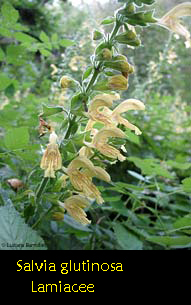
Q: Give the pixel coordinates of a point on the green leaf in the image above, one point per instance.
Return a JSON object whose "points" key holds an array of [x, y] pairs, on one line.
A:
{"points": [[15, 234], [132, 137], [66, 42], [126, 239], [108, 20], [5, 32], [5, 81], [183, 222], [55, 40], [183, 166], [9, 12], [44, 37], [24, 37], [172, 242], [45, 52], [54, 37], [150, 167], [16, 54], [186, 185], [87, 73], [17, 138], [9, 91], [47, 110], [77, 103]]}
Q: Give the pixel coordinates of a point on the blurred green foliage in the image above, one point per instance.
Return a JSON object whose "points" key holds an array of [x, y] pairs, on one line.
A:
{"points": [[148, 203]]}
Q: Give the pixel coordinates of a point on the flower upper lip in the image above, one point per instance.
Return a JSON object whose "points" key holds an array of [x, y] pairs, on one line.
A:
{"points": [[171, 19]]}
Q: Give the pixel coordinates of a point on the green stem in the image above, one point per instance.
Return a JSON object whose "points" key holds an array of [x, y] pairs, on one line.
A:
{"points": [[42, 216], [115, 30], [69, 127], [41, 188], [94, 77]]}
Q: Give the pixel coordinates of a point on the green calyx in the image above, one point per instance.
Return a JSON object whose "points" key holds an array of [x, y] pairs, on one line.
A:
{"points": [[129, 38]]}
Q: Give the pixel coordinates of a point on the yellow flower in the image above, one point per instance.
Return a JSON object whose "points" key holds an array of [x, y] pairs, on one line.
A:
{"points": [[85, 152], [99, 112], [99, 142], [77, 62], [130, 104], [98, 109], [54, 69], [80, 171], [74, 205], [51, 160], [171, 19]]}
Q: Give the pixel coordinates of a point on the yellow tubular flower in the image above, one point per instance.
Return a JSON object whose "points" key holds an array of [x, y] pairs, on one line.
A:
{"points": [[85, 152], [101, 101], [100, 173], [130, 104], [51, 160], [171, 19], [74, 205], [80, 171], [100, 142]]}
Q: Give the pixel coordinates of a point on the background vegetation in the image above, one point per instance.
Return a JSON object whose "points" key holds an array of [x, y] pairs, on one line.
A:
{"points": [[148, 204]]}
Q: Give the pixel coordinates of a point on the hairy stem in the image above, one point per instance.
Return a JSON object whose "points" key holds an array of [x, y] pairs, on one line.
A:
{"points": [[94, 77], [41, 188]]}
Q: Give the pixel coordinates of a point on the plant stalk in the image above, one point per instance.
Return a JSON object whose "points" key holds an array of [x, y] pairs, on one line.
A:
{"points": [[41, 188]]}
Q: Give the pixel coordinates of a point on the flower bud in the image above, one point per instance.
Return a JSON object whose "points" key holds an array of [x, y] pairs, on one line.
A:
{"points": [[129, 38], [118, 82], [131, 69], [120, 57], [105, 54], [97, 35], [100, 47], [130, 8], [58, 216], [119, 65], [135, 43], [67, 82], [126, 37]]}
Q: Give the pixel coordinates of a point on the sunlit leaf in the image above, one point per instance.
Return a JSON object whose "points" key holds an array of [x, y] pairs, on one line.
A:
{"points": [[17, 138], [186, 185], [9, 12], [48, 110], [5, 81], [66, 42]]}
